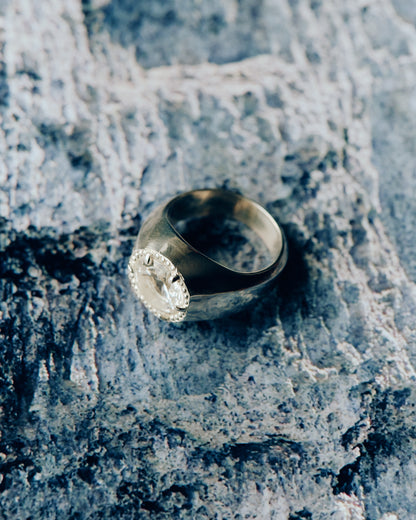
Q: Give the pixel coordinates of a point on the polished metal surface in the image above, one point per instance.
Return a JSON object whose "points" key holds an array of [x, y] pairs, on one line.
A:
{"points": [[215, 289]]}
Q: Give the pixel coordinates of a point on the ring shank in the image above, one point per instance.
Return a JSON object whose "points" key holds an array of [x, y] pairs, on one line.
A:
{"points": [[220, 203]]}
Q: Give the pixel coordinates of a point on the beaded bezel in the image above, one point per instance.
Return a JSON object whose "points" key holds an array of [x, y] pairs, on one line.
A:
{"points": [[137, 264]]}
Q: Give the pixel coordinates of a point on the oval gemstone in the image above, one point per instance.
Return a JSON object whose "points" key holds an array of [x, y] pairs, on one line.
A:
{"points": [[159, 285]]}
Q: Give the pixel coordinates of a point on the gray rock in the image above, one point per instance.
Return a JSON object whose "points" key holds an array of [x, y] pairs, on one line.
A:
{"points": [[301, 408]]}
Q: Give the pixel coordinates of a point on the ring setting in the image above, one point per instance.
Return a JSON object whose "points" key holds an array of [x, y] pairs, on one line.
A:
{"points": [[158, 284], [178, 279]]}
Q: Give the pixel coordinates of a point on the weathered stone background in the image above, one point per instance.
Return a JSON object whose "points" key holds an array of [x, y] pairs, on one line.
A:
{"points": [[303, 408]]}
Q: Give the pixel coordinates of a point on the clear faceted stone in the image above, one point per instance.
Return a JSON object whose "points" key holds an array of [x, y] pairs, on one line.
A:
{"points": [[159, 285]]}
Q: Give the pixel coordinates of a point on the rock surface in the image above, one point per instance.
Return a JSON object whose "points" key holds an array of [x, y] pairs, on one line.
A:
{"points": [[302, 408]]}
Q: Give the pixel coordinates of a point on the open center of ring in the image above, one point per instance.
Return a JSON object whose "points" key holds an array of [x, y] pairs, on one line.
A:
{"points": [[159, 285]]}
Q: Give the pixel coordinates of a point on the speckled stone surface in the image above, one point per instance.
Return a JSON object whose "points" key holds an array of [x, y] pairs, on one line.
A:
{"points": [[303, 407]]}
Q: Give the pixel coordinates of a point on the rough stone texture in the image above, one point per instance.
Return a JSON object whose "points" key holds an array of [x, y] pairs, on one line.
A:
{"points": [[302, 408]]}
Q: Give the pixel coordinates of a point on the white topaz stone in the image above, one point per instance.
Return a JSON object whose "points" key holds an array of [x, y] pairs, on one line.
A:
{"points": [[159, 285]]}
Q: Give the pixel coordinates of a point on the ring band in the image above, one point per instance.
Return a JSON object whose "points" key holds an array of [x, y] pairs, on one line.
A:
{"points": [[177, 281]]}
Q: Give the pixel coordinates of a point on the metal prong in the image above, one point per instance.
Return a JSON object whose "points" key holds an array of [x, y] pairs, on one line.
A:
{"points": [[175, 278], [148, 260]]}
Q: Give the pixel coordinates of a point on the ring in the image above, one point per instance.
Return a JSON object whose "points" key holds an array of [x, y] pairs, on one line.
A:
{"points": [[177, 277]]}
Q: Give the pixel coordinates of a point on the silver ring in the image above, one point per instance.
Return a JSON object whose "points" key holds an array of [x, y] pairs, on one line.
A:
{"points": [[177, 280]]}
